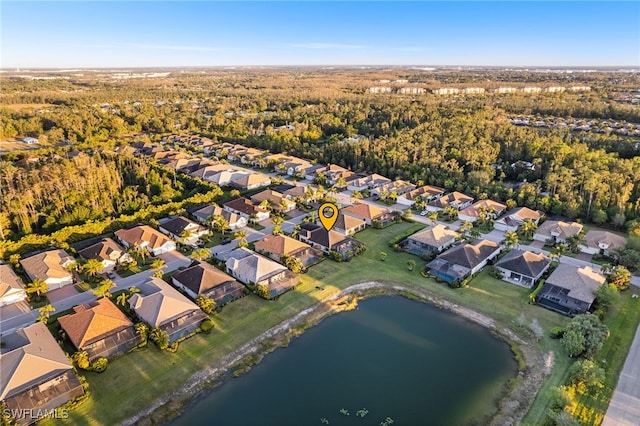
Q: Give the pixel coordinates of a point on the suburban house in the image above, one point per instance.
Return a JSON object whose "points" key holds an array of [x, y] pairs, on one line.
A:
{"points": [[182, 229], [252, 269], [427, 193], [49, 266], [107, 252], [36, 374], [246, 209], [557, 231], [523, 268], [100, 329], [204, 215], [433, 239], [295, 166], [297, 192], [249, 155], [515, 218], [311, 172], [162, 306], [454, 199], [226, 177], [326, 241], [570, 290], [202, 278], [491, 208], [276, 246], [146, 237], [11, 287], [207, 172], [368, 182], [335, 172], [349, 225], [250, 181], [602, 242], [191, 165], [459, 262], [276, 200], [369, 213], [399, 187]]}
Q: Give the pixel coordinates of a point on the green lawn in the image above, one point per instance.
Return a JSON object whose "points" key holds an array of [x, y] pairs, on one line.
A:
{"points": [[134, 381]]}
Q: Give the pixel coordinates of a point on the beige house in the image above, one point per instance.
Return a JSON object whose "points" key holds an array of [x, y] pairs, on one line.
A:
{"points": [[433, 239], [49, 266], [11, 287], [107, 252], [557, 231], [37, 377], [426, 192], [252, 269], [146, 237], [602, 242], [491, 208], [454, 199], [512, 220]]}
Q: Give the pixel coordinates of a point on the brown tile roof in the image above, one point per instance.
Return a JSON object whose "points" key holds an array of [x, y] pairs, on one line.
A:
{"points": [[581, 282], [93, 321], [563, 229], [423, 191], [470, 255], [474, 209], [158, 303], [250, 179], [280, 245], [347, 222], [245, 206], [9, 280], [453, 197], [524, 262], [435, 236], [206, 212], [31, 356], [142, 233], [48, 264], [201, 277], [106, 249], [364, 210], [612, 241]]}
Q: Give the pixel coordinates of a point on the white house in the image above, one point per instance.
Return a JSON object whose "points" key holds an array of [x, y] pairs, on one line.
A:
{"points": [[146, 237], [49, 266], [11, 288]]}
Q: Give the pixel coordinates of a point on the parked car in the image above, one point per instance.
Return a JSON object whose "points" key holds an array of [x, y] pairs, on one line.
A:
{"points": [[226, 240], [424, 213], [111, 275]]}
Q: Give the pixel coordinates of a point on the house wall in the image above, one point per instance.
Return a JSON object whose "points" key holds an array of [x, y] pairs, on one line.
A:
{"points": [[14, 296], [517, 279], [403, 201], [501, 226], [186, 289], [471, 219], [165, 248], [55, 283], [484, 263]]}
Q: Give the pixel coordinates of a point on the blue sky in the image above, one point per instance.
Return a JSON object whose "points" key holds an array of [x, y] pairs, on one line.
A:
{"points": [[138, 34]]}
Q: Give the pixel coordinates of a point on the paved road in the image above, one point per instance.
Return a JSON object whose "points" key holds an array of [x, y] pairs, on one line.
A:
{"points": [[173, 260], [624, 408]]}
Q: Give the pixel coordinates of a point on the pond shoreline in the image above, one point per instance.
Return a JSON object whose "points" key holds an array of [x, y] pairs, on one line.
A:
{"points": [[511, 408]]}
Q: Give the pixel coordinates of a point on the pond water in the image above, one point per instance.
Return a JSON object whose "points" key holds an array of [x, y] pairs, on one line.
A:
{"points": [[397, 358]]}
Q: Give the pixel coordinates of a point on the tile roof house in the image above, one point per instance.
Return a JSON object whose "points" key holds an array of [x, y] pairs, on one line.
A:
{"points": [[326, 241], [252, 269], [349, 225], [461, 261], [234, 220], [368, 182], [491, 208], [295, 166], [570, 290], [210, 170], [426, 192], [182, 229], [399, 187], [335, 172], [246, 209], [454, 199], [11, 287], [100, 329], [202, 278], [311, 172], [512, 220], [602, 242], [276, 246], [275, 200], [36, 374], [369, 213], [107, 252], [523, 268], [162, 306], [433, 239], [146, 237], [49, 266], [557, 231], [251, 181]]}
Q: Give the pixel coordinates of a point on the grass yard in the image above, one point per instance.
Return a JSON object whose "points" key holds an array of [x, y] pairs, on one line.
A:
{"points": [[133, 382]]}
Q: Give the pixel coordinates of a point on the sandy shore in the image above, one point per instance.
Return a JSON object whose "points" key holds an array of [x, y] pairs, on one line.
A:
{"points": [[512, 408]]}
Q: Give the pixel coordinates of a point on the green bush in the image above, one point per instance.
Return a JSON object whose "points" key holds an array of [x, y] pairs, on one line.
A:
{"points": [[206, 325], [557, 332], [100, 365]]}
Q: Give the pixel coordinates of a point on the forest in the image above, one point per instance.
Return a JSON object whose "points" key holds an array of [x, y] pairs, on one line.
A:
{"points": [[462, 142]]}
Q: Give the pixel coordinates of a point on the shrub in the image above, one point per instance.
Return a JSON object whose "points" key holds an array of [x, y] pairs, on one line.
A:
{"points": [[100, 364], [206, 325], [557, 332]]}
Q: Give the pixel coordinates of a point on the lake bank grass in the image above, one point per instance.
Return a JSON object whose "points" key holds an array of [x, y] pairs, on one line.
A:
{"points": [[133, 382]]}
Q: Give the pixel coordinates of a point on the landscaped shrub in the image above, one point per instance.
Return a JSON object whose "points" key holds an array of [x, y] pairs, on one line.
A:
{"points": [[206, 325], [557, 332], [99, 365]]}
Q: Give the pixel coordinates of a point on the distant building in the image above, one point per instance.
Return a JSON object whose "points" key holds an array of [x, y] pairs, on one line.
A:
{"points": [[446, 91], [30, 140]]}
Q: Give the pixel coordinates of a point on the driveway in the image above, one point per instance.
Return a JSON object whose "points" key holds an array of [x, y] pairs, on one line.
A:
{"points": [[13, 310], [584, 257], [537, 244], [63, 293]]}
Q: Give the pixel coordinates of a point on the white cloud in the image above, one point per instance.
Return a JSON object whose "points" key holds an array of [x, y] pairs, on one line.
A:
{"points": [[326, 46]]}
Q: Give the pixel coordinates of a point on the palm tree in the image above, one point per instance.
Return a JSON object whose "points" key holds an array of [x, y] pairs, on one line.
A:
{"points": [[14, 259], [45, 312], [104, 288], [283, 205], [528, 228], [451, 212], [158, 265], [511, 239], [186, 235], [137, 251], [37, 286], [92, 267], [432, 216], [122, 299], [220, 224], [465, 226], [575, 241], [201, 254], [241, 235]]}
